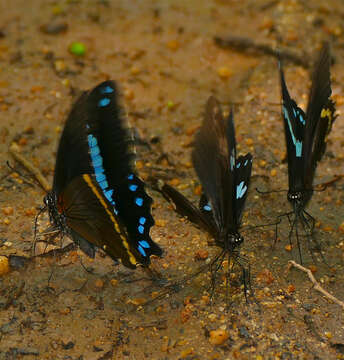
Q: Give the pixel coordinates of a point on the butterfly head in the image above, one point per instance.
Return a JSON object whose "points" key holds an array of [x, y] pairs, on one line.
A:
{"points": [[231, 241], [50, 201]]}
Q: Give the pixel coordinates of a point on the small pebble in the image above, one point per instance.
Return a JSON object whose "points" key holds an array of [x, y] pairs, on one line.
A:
{"points": [[201, 255], [4, 265], [134, 70], [218, 337], [273, 172], [288, 247], [173, 45], [175, 182], [291, 288], [224, 72], [249, 142], [54, 28], [7, 210], [99, 283], [129, 94], [114, 282], [186, 353]]}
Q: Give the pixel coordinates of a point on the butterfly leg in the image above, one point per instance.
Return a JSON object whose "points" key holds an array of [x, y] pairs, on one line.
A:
{"points": [[214, 268], [311, 220], [297, 236]]}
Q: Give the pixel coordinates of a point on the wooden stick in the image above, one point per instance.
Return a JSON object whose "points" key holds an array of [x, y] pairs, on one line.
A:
{"points": [[30, 167], [251, 46], [316, 284]]}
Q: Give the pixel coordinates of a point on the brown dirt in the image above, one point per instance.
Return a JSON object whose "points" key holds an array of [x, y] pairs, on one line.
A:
{"points": [[161, 52]]}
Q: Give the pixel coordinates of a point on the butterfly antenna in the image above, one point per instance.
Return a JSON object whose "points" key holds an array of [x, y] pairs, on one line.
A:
{"points": [[262, 225], [269, 192]]}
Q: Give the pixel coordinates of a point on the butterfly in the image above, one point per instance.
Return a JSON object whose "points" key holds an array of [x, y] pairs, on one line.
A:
{"points": [[97, 197], [306, 136], [225, 181]]}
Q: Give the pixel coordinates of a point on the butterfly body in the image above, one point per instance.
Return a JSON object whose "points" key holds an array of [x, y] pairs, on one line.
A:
{"points": [[97, 197], [306, 136]]}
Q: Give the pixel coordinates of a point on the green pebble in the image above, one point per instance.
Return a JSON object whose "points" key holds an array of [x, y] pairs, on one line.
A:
{"points": [[77, 48], [170, 104]]}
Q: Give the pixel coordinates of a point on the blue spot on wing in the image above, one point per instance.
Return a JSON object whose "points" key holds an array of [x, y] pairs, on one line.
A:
{"points": [[103, 102], [100, 176], [92, 141], [107, 90], [241, 190], [142, 220], [108, 195], [141, 229], [103, 184], [139, 201], [207, 207], [131, 177], [141, 250], [133, 187], [144, 244]]}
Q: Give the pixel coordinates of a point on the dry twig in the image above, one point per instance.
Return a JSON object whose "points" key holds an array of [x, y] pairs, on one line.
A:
{"points": [[30, 167], [248, 45], [317, 286]]}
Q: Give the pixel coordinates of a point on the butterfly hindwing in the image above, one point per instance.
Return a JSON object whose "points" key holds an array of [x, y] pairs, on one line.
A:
{"points": [[243, 169], [185, 208], [91, 216]]}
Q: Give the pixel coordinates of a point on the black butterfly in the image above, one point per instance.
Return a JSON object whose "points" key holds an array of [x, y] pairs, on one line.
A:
{"points": [[225, 180], [97, 198], [306, 136]]}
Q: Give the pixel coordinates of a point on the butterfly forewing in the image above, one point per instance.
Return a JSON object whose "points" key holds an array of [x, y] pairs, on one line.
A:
{"points": [[294, 128], [320, 114], [211, 159], [319, 95]]}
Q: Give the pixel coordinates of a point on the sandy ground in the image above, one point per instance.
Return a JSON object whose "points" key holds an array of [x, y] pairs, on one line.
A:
{"points": [[164, 58]]}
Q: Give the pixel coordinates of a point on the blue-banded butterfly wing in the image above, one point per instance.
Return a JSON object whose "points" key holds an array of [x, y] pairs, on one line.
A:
{"points": [[134, 207], [112, 154], [108, 135], [243, 168], [186, 208], [294, 128], [211, 158], [96, 144]]}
